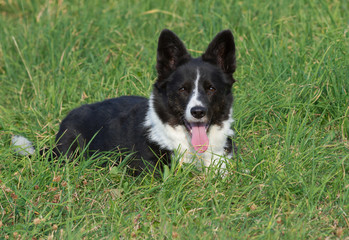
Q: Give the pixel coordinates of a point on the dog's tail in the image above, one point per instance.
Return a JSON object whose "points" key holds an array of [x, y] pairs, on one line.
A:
{"points": [[22, 145]]}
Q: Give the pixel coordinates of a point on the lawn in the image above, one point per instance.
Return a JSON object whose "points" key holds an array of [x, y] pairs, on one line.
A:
{"points": [[289, 179]]}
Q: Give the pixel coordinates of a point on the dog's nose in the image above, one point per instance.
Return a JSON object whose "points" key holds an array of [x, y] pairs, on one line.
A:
{"points": [[198, 112]]}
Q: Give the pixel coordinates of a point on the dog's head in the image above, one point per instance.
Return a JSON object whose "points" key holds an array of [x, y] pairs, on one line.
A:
{"points": [[194, 92]]}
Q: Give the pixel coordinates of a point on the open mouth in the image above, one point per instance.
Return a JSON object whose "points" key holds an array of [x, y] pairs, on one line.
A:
{"points": [[198, 132]]}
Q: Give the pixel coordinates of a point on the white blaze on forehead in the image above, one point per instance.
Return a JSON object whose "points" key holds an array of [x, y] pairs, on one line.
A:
{"points": [[194, 100]]}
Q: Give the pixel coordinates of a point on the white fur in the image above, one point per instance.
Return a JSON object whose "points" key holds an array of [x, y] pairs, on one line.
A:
{"points": [[166, 136], [22, 145], [178, 138], [194, 101]]}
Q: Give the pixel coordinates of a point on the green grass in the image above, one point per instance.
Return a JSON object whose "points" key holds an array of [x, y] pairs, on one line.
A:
{"points": [[290, 178]]}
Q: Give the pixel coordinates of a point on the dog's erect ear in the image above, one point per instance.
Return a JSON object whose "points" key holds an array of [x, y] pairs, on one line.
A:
{"points": [[221, 51], [171, 54]]}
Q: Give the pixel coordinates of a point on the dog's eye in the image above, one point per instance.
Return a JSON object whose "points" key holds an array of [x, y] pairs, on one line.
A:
{"points": [[182, 90], [211, 89]]}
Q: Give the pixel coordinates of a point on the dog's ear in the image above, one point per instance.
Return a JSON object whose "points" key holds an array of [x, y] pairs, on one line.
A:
{"points": [[171, 53], [221, 51]]}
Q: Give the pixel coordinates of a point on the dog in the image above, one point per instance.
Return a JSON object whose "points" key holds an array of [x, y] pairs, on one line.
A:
{"points": [[189, 111]]}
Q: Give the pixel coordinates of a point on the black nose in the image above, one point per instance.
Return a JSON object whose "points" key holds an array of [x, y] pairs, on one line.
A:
{"points": [[198, 112]]}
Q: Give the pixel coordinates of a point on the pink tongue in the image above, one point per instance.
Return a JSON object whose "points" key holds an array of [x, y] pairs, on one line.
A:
{"points": [[199, 138]]}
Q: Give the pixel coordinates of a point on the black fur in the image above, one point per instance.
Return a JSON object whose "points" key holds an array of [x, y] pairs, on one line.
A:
{"points": [[111, 125]]}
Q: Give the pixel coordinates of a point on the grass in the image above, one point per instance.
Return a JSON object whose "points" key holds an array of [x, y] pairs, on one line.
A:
{"points": [[290, 177]]}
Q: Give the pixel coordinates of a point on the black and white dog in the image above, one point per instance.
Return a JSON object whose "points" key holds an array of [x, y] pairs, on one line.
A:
{"points": [[189, 111]]}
